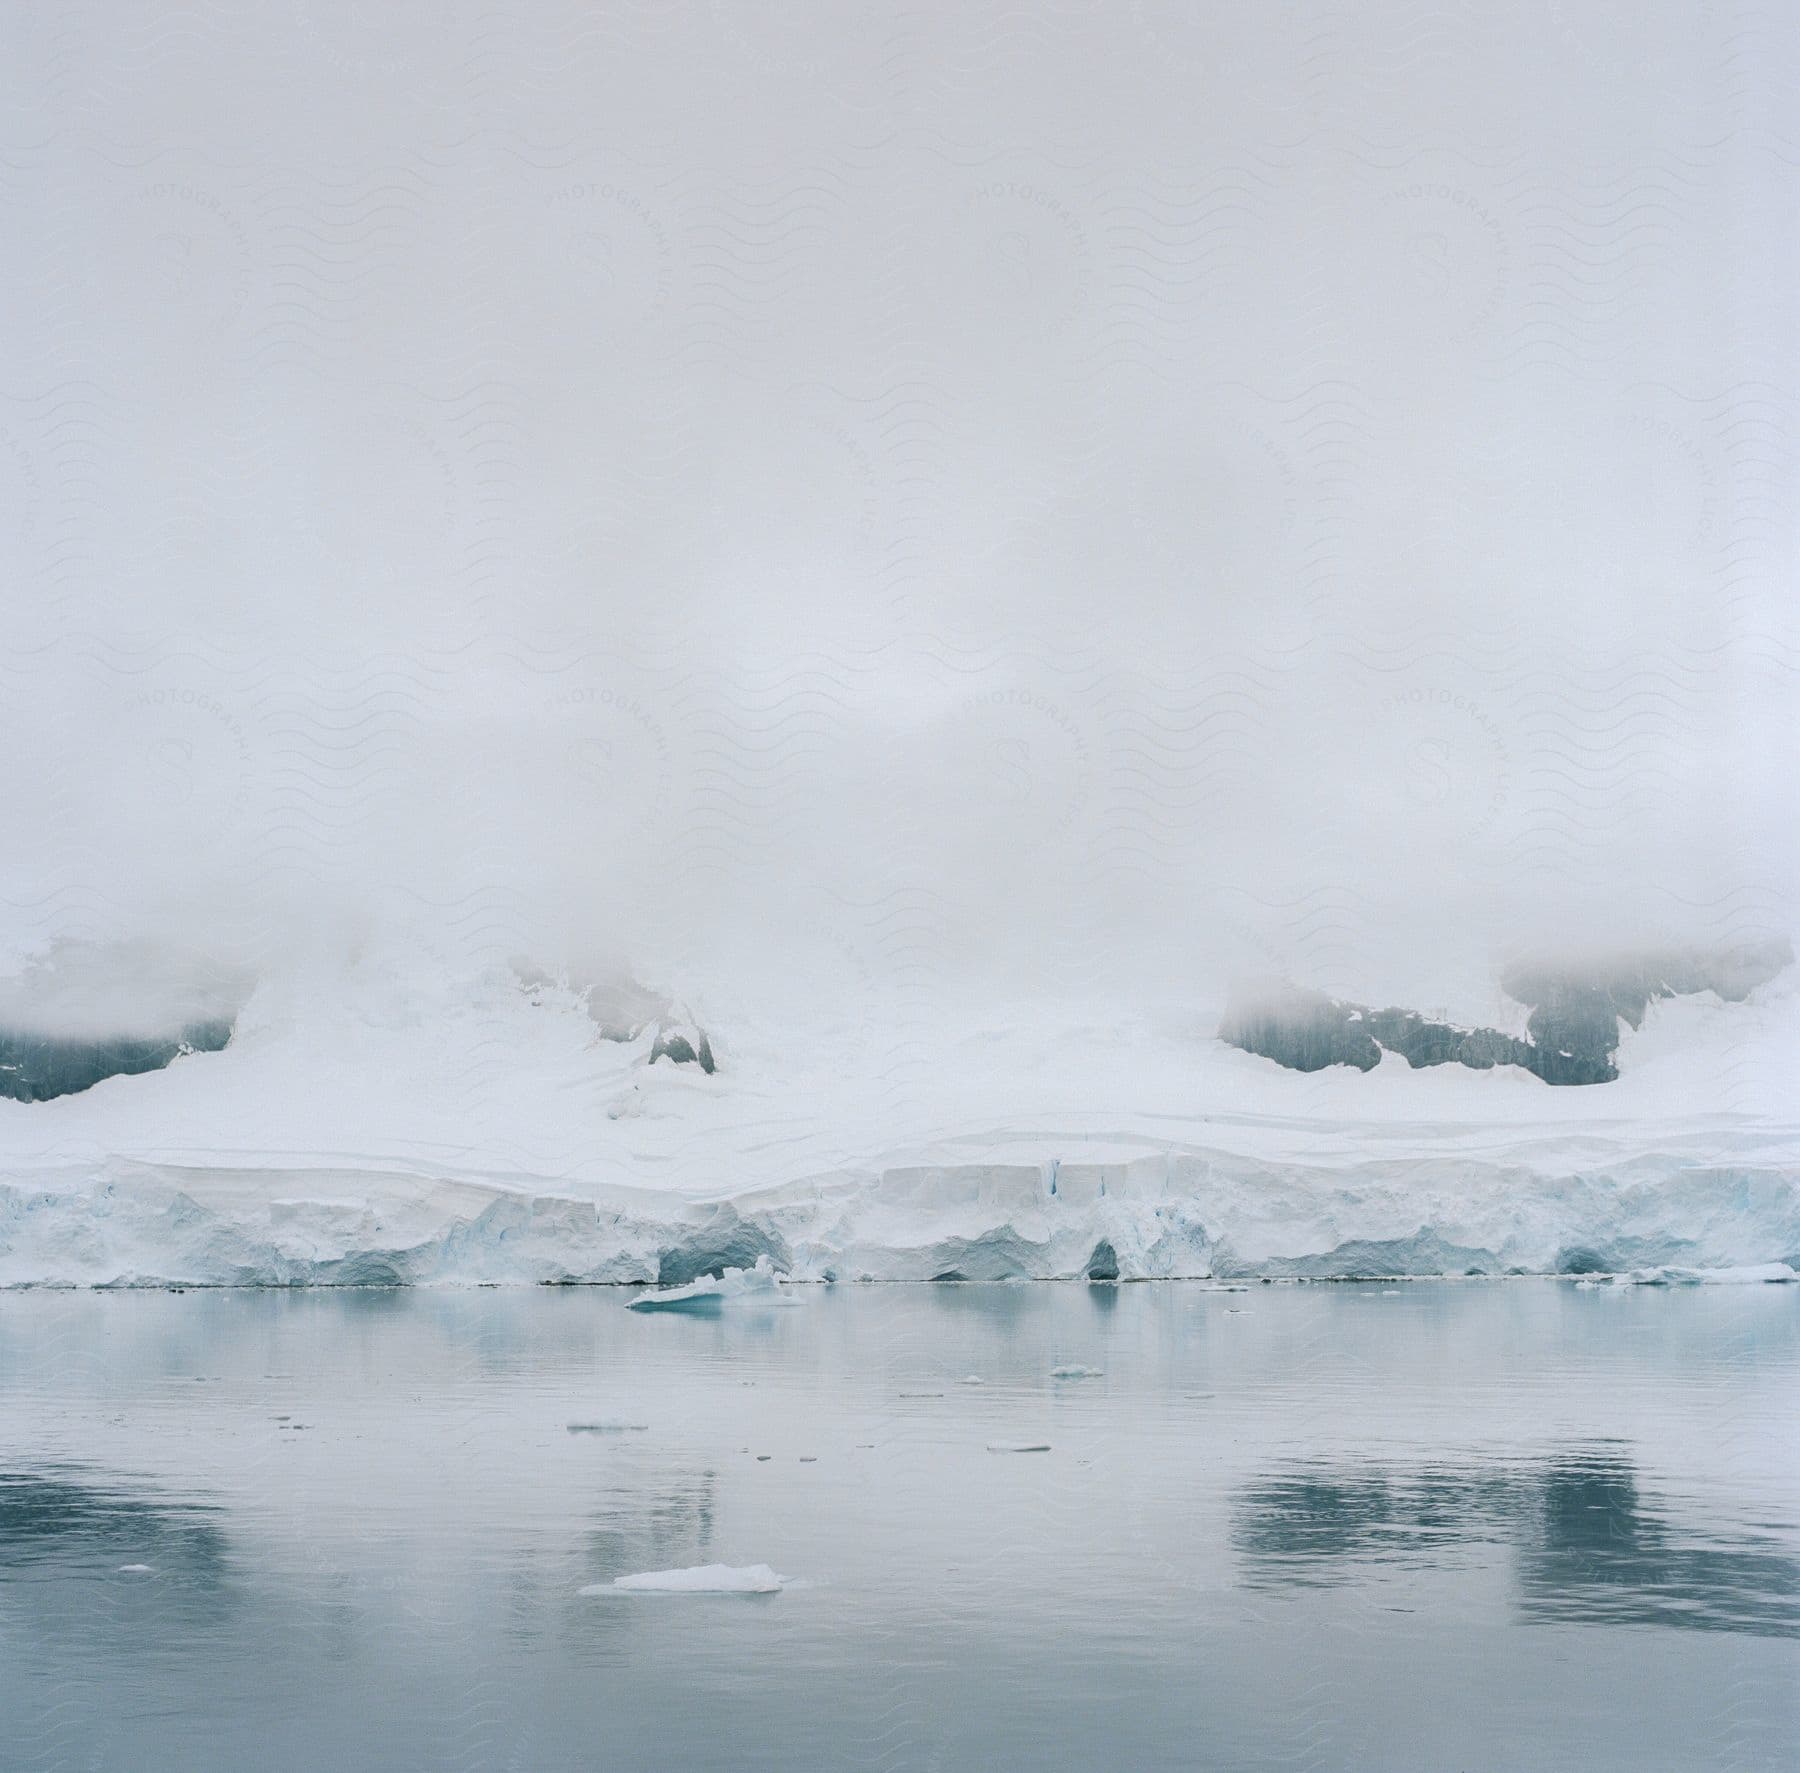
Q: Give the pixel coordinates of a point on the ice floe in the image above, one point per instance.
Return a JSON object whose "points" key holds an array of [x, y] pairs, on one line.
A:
{"points": [[711, 1291], [697, 1579]]}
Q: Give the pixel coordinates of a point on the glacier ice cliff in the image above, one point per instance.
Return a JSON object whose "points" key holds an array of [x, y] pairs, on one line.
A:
{"points": [[1186, 1213]]}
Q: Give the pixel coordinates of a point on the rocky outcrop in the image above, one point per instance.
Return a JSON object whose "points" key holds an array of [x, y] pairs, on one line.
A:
{"points": [[624, 1010], [1573, 1027], [683, 1047], [1576, 1010], [35, 1068], [85, 1012]]}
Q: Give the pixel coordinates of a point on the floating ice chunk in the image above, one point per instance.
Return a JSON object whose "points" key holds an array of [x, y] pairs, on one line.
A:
{"points": [[1018, 1446], [699, 1579], [698, 1296], [1779, 1273], [1077, 1373], [607, 1425], [974, 1379], [134, 1569], [708, 1293]]}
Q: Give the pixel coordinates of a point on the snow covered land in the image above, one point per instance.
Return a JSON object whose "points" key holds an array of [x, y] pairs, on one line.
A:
{"points": [[392, 1125]]}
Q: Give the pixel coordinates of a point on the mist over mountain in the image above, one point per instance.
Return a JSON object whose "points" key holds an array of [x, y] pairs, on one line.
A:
{"points": [[811, 524]]}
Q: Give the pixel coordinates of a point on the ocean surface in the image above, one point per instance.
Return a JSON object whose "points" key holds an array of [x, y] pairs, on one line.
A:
{"points": [[1439, 1525]]}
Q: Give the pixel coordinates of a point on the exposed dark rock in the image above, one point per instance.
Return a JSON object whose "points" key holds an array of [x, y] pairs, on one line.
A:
{"points": [[83, 1013], [680, 1050], [36, 1069], [1303, 1030], [1482, 1049], [1627, 985], [1576, 1010], [624, 1010], [1573, 1025]]}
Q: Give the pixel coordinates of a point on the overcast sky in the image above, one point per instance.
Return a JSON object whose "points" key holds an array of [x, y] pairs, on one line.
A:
{"points": [[1079, 498]]}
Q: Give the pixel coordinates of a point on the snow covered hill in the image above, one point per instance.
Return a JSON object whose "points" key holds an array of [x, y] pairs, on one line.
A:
{"points": [[387, 1123]]}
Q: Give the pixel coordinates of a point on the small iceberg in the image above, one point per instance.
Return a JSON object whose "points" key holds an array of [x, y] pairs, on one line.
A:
{"points": [[1077, 1373], [134, 1570], [709, 1292], [1757, 1274], [699, 1579], [1018, 1446]]}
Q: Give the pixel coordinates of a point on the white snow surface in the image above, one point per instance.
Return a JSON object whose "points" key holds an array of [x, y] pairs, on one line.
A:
{"points": [[397, 1128]]}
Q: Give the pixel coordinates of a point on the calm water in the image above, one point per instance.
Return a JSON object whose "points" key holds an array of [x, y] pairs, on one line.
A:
{"points": [[1446, 1526]]}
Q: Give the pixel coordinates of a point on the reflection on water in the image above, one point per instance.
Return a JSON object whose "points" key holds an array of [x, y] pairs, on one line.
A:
{"points": [[1327, 1527], [60, 1530], [667, 1529], [56, 1518], [1603, 1553], [1586, 1544]]}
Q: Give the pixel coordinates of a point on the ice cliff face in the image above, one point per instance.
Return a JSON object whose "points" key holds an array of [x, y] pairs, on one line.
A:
{"points": [[1197, 1213], [1574, 1025]]}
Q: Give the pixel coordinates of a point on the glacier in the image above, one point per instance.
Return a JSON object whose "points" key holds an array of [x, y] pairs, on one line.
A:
{"points": [[402, 1129], [1187, 1213]]}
